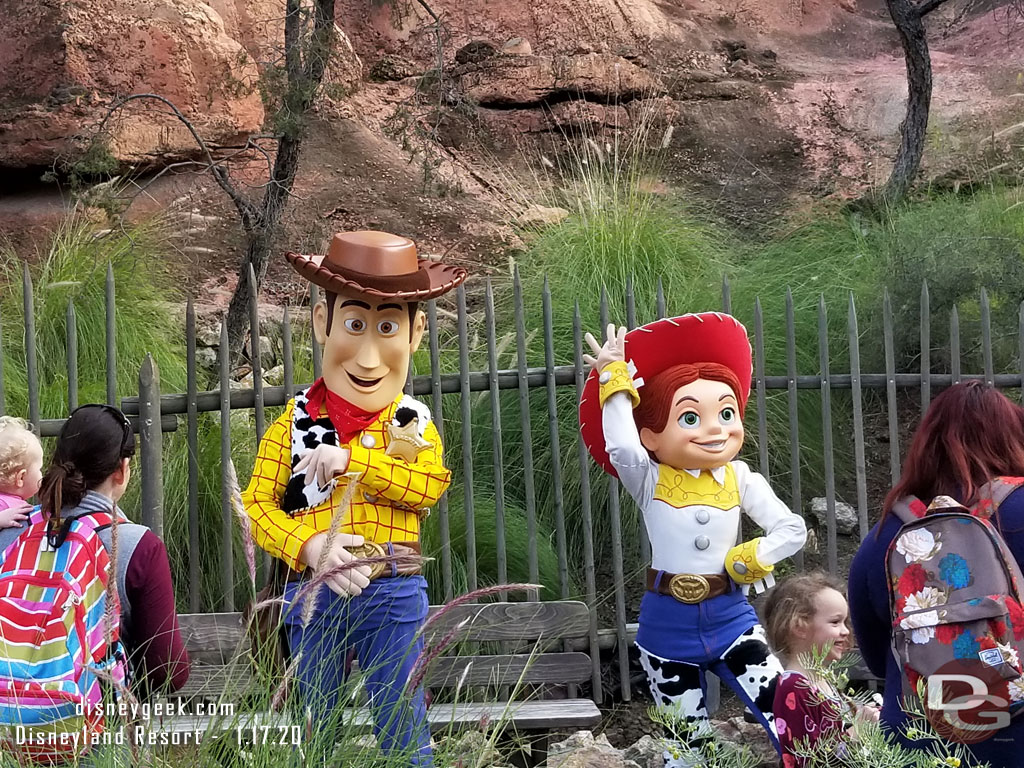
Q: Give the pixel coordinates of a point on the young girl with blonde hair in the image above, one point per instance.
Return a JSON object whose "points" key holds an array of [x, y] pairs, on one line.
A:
{"points": [[21, 470], [806, 622]]}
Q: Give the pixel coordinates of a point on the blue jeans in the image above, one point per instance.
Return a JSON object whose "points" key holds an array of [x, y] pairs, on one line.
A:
{"points": [[721, 635], [380, 627]]}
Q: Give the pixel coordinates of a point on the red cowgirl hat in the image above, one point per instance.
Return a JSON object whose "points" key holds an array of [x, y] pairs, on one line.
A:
{"points": [[707, 337]]}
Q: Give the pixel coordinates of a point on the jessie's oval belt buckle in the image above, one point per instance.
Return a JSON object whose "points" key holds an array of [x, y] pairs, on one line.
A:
{"points": [[371, 549], [689, 587]]}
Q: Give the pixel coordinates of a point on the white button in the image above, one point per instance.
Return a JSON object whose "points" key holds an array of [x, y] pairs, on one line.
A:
{"points": [[740, 568], [605, 377], [702, 542], [703, 516], [368, 441]]}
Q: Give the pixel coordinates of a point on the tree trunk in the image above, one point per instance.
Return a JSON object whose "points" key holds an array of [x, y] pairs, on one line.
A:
{"points": [[909, 23], [304, 80], [257, 254], [261, 240]]}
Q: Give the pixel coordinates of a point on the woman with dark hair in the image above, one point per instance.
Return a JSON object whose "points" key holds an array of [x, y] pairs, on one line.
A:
{"points": [[89, 472], [971, 434]]}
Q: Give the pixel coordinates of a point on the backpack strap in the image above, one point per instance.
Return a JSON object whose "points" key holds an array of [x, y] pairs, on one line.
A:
{"points": [[909, 509], [994, 493], [95, 520]]}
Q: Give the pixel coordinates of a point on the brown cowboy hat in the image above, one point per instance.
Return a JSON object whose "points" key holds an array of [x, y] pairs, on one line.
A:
{"points": [[379, 264]]}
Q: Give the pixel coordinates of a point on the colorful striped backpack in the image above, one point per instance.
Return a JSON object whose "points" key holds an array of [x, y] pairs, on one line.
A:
{"points": [[61, 662]]}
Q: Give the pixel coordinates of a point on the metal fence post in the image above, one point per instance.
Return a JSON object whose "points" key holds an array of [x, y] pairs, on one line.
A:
{"points": [[151, 447]]}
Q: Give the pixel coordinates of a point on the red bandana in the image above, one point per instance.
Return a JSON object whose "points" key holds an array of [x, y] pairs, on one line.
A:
{"points": [[348, 420]]}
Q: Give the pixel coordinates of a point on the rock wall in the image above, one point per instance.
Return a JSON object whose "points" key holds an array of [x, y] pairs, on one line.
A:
{"points": [[63, 65]]}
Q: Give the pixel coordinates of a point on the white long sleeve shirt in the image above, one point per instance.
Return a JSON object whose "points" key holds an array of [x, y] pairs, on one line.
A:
{"points": [[692, 516]]}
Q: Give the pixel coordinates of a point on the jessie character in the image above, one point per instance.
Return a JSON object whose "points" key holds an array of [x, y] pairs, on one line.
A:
{"points": [[354, 425], [662, 410]]}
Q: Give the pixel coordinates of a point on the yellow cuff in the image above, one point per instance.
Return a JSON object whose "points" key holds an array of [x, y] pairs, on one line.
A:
{"points": [[742, 564], [615, 378]]}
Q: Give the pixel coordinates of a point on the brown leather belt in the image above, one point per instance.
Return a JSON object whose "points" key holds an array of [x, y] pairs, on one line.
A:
{"points": [[688, 587], [379, 570]]}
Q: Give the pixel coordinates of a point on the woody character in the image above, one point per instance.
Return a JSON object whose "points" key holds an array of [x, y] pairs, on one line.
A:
{"points": [[354, 425], [662, 410]]}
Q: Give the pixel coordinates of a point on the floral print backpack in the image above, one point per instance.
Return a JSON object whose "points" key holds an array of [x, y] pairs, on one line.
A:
{"points": [[954, 593]]}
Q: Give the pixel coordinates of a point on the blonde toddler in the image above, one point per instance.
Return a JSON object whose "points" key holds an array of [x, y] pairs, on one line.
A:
{"points": [[21, 470]]}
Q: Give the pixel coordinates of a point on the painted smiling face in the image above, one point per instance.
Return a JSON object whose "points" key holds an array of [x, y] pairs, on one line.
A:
{"points": [[367, 352], [703, 429]]}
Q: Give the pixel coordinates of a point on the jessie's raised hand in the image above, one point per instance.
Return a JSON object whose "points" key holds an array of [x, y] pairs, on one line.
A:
{"points": [[613, 350]]}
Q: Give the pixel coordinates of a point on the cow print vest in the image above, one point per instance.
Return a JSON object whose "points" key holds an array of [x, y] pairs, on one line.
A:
{"points": [[308, 433]]}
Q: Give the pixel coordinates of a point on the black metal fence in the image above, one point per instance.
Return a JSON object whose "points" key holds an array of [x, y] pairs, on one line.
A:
{"points": [[540, 430]]}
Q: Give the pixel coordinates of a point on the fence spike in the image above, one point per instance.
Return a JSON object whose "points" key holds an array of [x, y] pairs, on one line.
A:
{"points": [[759, 387], [314, 299], [71, 348], [227, 564], [859, 460], [986, 337], [111, 331], [890, 387], [31, 362], [926, 347], [286, 352], [465, 405], [586, 512], [151, 446], [954, 344], [826, 428], [796, 497], [192, 387], [438, 416], [256, 354]]}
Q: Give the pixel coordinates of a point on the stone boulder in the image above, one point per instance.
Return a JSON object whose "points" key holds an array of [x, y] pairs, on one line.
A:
{"points": [[63, 64], [507, 81], [542, 216], [846, 516], [517, 46], [583, 750]]}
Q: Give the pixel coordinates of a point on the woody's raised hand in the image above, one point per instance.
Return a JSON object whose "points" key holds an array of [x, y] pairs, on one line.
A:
{"points": [[323, 463], [613, 350]]}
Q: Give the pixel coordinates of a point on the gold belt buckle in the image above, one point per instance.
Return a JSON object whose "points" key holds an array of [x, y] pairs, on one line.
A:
{"points": [[689, 587], [371, 549]]}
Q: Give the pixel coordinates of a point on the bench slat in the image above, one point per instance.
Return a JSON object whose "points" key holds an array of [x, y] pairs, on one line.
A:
{"points": [[214, 637], [514, 621], [525, 668], [523, 715]]}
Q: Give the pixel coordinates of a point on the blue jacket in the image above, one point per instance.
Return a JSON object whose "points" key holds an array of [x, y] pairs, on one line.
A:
{"points": [[869, 612]]}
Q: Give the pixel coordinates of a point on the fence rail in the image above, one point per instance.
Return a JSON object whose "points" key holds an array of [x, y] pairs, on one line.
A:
{"points": [[517, 453]]}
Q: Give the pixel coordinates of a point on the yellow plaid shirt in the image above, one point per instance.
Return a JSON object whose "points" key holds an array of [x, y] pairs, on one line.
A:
{"points": [[387, 507]]}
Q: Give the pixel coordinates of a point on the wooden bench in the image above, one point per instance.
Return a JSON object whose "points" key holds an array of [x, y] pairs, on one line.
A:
{"points": [[531, 662]]}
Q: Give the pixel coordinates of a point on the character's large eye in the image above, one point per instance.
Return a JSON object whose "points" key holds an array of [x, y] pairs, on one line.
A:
{"points": [[355, 325], [728, 415], [387, 327], [689, 420]]}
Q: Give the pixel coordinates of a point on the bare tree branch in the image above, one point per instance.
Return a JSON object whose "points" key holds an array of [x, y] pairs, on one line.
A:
{"points": [[246, 210], [928, 6]]}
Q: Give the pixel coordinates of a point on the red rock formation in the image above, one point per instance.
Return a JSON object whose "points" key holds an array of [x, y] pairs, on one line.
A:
{"points": [[63, 64]]}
